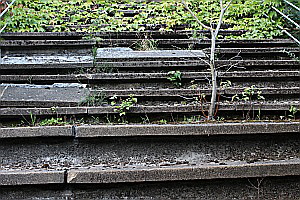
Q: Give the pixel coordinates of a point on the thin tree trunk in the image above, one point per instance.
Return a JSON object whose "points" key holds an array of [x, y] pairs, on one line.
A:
{"points": [[213, 73]]}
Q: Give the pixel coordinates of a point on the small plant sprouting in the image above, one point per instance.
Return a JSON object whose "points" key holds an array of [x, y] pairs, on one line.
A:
{"points": [[226, 84], [162, 121], [293, 110], [193, 85], [175, 77], [32, 121], [94, 54], [104, 68], [145, 120], [123, 106], [145, 44], [53, 109], [291, 55], [94, 99], [193, 119], [52, 122], [247, 96], [248, 93]]}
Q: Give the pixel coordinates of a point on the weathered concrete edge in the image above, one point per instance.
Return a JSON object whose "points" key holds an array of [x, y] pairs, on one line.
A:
{"points": [[281, 168], [41, 131], [143, 64], [105, 33], [186, 129], [26, 43], [87, 131], [145, 76], [10, 111], [31, 177]]}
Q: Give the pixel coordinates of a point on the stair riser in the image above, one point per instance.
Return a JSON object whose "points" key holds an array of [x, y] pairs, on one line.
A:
{"points": [[270, 188], [149, 151]]}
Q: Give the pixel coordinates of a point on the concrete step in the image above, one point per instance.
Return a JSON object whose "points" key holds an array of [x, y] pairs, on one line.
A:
{"points": [[112, 55], [232, 170], [141, 65], [244, 188], [113, 154], [32, 95], [198, 43], [64, 95], [33, 177], [151, 174], [158, 42], [110, 153], [142, 109], [133, 130], [52, 43], [145, 76], [253, 150], [111, 34], [190, 92]]}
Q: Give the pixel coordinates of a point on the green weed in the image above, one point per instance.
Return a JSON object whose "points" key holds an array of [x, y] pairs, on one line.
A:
{"points": [[175, 77]]}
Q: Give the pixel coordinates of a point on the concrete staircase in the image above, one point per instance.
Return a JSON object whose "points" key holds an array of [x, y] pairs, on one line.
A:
{"points": [[162, 148]]}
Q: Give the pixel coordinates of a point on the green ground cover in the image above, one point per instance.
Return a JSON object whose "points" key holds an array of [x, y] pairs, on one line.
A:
{"points": [[105, 15]]}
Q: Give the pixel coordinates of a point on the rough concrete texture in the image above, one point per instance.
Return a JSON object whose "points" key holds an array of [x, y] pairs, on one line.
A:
{"points": [[66, 51], [43, 111], [280, 168], [186, 129], [270, 188], [112, 54], [31, 177], [199, 63], [189, 92], [155, 85], [46, 65], [44, 96], [40, 59], [110, 34], [146, 76], [151, 151], [148, 130], [45, 131], [23, 43], [255, 50], [200, 42], [167, 108]]}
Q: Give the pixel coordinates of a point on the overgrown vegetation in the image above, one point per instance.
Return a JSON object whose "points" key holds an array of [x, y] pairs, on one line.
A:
{"points": [[32, 120], [122, 106], [94, 99], [247, 97], [52, 122], [105, 15]]}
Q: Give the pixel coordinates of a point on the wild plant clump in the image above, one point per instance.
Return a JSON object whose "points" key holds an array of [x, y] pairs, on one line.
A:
{"points": [[105, 15]]}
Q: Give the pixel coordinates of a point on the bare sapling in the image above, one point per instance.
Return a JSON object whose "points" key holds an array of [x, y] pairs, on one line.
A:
{"points": [[214, 36]]}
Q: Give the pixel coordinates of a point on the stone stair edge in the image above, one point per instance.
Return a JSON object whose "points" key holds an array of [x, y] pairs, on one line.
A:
{"points": [[91, 42], [147, 76], [31, 177], [276, 168], [142, 109], [102, 33], [142, 64], [131, 130], [201, 172], [23, 43]]}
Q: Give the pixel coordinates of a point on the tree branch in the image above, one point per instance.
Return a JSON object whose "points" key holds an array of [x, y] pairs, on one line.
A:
{"points": [[221, 16], [195, 17]]}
